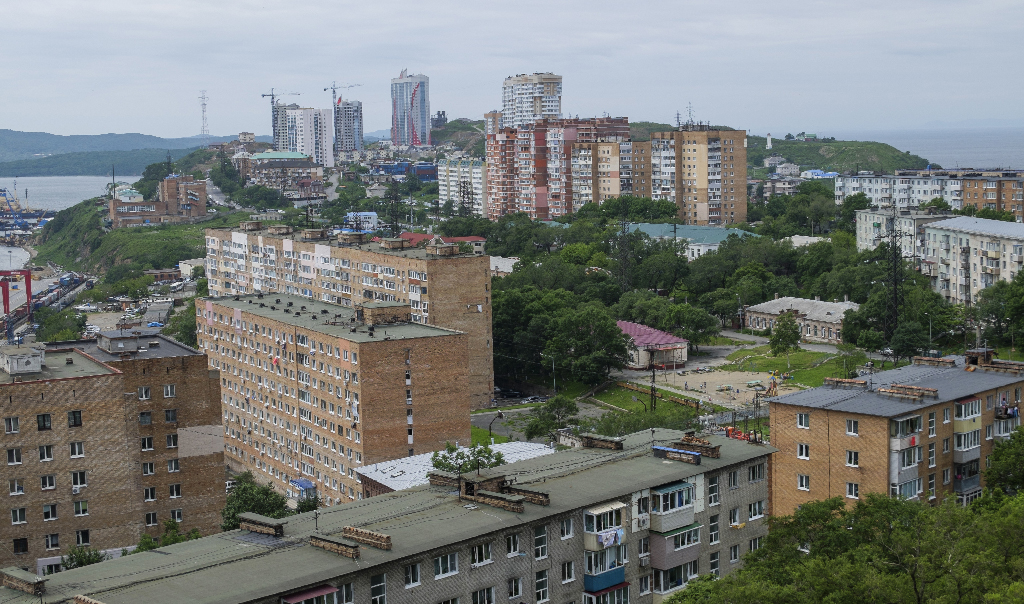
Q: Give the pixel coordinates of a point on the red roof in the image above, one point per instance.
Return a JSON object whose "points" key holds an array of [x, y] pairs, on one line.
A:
{"points": [[416, 238], [643, 335]]}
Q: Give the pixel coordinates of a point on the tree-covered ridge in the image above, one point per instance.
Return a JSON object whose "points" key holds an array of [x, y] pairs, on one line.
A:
{"points": [[835, 156]]}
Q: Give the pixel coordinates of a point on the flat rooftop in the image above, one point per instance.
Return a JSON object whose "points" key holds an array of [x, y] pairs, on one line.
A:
{"points": [[166, 348], [56, 366], [952, 383], [417, 253], [337, 321], [238, 566]]}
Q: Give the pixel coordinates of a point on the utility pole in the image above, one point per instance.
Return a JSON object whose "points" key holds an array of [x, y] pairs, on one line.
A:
{"points": [[895, 278], [205, 132]]}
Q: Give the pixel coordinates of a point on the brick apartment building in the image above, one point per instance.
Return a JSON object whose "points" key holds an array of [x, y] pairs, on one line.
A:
{"points": [[1001, 193], [180, 198], [312, 391], [105, 440], [442, 287], [924, 431], [280, 170], [702, 171], [607, 169], [621, 520]]}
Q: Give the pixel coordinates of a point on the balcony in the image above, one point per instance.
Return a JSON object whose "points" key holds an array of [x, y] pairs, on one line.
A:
{"points": [[1006, 411], [990, 270], [602, 581], [962, 485], [678, 518], [973, 454]]}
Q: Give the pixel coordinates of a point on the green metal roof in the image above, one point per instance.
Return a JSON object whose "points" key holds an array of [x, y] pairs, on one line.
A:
{"points": [[280, 155]]}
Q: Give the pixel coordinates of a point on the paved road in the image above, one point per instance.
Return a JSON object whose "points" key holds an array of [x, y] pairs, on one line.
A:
{"points": [[504, 428]]}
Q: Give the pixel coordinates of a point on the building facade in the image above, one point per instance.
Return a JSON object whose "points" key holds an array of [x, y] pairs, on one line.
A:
{"points": [[609, 168], [964, 255], [410, 106], [781, 186], [1001, 193], [620, 520], [180, 198], [875, 225], [819, 322], [526, 98], [279, 124], [649, 347], [696, 169], [348, 126], [442, 287], [924, 432], [310, 133], [462, 181], [902, 189], [282, 170], [107, 440]]}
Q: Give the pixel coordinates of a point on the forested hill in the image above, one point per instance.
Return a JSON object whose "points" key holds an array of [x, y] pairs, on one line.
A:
{"points": [[90, 163], [835, 156], [16, 145]]}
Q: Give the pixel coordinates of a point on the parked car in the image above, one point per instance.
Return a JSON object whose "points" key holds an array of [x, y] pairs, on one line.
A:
{"points": [[155, 324]]}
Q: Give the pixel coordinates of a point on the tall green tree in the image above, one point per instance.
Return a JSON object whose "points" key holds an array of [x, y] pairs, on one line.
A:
{"points": [[1007, 470], [458, 460], [79, 556], [586, 343], [557, 413], [785, 336], [909, 340], [248, 495]]}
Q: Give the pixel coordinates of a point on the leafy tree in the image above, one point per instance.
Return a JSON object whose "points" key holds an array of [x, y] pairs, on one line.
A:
{"points": [[666, 415], [1007, 470], [79, 556], [695, 324], [458, 460], [587, 343], [938, 203], [848, 211], [182, 325], [308, 504], [172, 534], [785, 336], [558, 412], [248, 495], [871, 340], [908, 340]]}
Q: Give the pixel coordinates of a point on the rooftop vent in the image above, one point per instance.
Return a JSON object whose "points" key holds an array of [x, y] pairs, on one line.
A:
{"points": [[371, 538], [257, 523], [23, 581], [279, 230], [345, 547], [69, 360]]}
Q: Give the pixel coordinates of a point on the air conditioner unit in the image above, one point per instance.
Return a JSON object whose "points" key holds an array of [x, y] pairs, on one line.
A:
{"points": [[645, 561], [75, 490]]}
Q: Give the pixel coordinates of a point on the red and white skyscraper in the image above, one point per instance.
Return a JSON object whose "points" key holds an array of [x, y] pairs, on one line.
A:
{"points": [[410, 106]]}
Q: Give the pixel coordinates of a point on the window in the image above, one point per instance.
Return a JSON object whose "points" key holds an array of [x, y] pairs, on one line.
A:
{"points": [[803, 482], [173, 465], [540, 542], [175, 490], [147, 468], [78, 479], [52, 541], [931, 424], [755, 472], [645, 584], [686, 538], [18, 516], [967, 410], [50, 511], [149, 494], [43, 421], [412, 575], [852, 427], [931, 455], [755, 544], [147, 443], [151, 519], [541, 586], [945, 415], [853, 490], [172, 441], [481, 553], [74, 419], [964, 441], [734, 481], [13, 456], [713, 490], [512, 544], [445, 565], [144, 393], [170, 415], [945, 475], [566, 528], [905, 427], [48, 482], [16, 487], [734, 516], [568, 572], [168, 390], [81, 508], [931, 485], [988, 432], [145, 418], [515, 587], [945, 445], [755, 510], [20, 546], [853, 459], [803, 420], [176, 515], [11, 425], [803, 451], [378, 589], [45, 452], [643, 546], [909, 489], [596, 523], [734, 553], [82, 537], [484, 596]]}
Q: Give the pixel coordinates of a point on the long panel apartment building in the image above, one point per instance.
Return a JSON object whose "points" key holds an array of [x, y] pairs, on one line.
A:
{"points": [[441, 287], [703, 172], [964, 255], [106, 440], [922, 432], [628, 520], [313, 391]]}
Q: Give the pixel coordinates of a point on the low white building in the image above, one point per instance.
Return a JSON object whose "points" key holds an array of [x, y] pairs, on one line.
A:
{"points": [[964, 255], [451, 173], [876, 223], [819, 321], [649, 347], [902, 190]]}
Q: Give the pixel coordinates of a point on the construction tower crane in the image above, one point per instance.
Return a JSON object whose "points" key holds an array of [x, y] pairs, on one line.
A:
{"points": [[334, 88], [273, 96]]}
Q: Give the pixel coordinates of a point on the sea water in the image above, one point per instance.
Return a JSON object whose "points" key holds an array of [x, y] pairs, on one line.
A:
{"points": [[58, 192]]}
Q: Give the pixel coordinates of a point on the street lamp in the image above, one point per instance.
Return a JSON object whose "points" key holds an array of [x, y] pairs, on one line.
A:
{"points": [[500, 415], [929, 330], [1010, 327]]}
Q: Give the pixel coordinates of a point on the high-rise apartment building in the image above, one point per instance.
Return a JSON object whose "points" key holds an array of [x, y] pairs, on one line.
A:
{"points": [[410, 107], [348, 126], [530, 169], [608, 169], [279, 124], [920, 432], [526, 98], [460, 181], [310, 133], [311, 390], [964, 255], [703, 172], [105, 440], [440, 286], [876, 224]]}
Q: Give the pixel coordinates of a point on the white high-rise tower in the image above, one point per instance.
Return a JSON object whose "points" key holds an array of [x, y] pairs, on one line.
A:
{"points": [[527, 98]]}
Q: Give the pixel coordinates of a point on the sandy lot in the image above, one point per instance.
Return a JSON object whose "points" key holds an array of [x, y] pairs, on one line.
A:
{"points": [[737, 379]]}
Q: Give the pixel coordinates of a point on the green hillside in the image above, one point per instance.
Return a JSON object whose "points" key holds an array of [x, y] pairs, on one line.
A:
{"points": [[75, 239], [15, 145], [89, 163], [466, 134], [641, 131], [835, 156]]}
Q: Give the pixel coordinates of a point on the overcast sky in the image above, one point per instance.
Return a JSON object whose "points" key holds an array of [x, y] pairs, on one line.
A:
{"points": [[72, 67]]}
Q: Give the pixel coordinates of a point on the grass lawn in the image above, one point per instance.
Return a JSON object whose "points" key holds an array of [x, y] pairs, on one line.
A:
{"points": [[508, 408], [480, 437], [623, 398], [724, 341]]}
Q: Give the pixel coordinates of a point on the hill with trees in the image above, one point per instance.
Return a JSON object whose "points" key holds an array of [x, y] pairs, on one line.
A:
{"points": [[89, 163], [466, 134], [835, 156], [15, 145]]}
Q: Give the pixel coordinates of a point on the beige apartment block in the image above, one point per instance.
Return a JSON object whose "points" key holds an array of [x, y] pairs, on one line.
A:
{"points": [[703, 172]]}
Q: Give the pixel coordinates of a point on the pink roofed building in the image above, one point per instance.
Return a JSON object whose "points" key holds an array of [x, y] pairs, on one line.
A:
{"points": [[649, 346]]}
